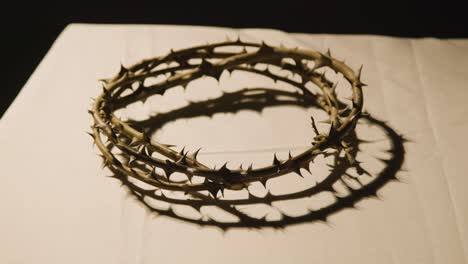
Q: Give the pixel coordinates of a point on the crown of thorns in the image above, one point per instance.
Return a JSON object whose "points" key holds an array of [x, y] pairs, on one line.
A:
{"points": [[133, 153]]}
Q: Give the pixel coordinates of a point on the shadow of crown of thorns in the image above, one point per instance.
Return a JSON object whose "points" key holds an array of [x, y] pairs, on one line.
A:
{"points": [[130, 152]]}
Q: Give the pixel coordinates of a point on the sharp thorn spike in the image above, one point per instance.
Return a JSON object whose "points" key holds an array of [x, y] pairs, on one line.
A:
{"points": [[276, 161], [182, 151], [195, 154]]}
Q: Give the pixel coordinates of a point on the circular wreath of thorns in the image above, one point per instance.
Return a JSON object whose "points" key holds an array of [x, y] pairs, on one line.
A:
{"points": [[136, 147]]}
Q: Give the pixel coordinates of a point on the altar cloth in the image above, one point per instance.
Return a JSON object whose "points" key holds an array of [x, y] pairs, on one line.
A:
{"points": [[57, 206]]}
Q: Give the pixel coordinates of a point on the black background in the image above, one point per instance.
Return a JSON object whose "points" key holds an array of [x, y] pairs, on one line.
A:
{"points": [[29, 29]]}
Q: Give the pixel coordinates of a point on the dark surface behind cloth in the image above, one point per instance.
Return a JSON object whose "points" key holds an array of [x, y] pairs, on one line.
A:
{"points": [[30, 28]]}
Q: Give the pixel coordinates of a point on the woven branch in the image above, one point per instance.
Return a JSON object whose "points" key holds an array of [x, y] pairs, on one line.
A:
{"points": [[136, 145]]}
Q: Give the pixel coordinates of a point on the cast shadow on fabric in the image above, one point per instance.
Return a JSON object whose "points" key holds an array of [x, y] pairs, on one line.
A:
{"points": [[346, 184]]}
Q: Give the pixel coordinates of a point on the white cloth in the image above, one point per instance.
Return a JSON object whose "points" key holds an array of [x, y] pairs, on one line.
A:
{"points": [[57, 206]]}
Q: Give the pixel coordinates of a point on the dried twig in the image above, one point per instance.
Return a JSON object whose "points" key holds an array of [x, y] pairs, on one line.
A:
{"points": [[136, 146]]}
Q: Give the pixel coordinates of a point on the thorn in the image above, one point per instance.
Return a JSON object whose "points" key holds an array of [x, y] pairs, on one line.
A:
{"points": [[105, 92], [373, 193], [189, 177], [151, 173], [359, 72], [224, 171], [114, 176], [349, 157], [122, 70], [383, 160], [276, 161], [209, 50], [149, 150], [359, 83], [214, 193], [405, 139], [314, 126], [305, 166], [168, 145], [91, 134], [322, 218], [142, 149], [195, 154], [183, 159], [332, 130], [181, 152], [168, 169], [250, 196], [104, 81], [263, 181], [196, 206], [343, 110], [134, 142], [297, 170], [105, 163], [264, 48], [210, 70], [230, 70], [325, 121]]}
